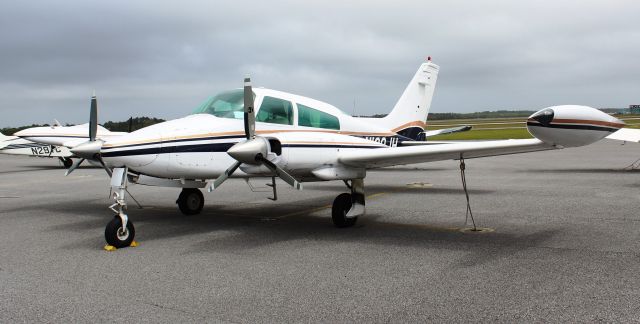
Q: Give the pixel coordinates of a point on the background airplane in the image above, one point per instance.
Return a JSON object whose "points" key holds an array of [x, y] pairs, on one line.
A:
{"points": [[14, 145], [297, 139]]}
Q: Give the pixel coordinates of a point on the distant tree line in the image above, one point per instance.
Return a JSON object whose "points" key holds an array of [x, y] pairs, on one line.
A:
{"points": [[487, 114], [481, 114], [10, 130], [122, 126]]}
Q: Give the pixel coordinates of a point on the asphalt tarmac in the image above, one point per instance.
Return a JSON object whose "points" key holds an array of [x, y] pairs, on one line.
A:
{"points": [[562, 246]]}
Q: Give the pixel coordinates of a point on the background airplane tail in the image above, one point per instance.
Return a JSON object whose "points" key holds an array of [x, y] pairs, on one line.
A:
{"points": [[409, 115]]}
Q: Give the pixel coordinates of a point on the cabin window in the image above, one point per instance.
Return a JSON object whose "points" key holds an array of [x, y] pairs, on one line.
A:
{"points": [[310, 117], [229, 104], [275, 111]]}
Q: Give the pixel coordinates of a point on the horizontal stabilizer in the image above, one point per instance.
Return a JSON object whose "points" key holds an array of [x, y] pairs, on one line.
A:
{"points": [[451, 130]]}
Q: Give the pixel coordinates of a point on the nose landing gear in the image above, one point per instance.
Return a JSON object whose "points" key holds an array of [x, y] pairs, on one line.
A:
{"points": [[117, 235], [119, 232]]}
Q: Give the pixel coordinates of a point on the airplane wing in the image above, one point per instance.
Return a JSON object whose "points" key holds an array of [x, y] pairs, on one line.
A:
{"points": [[383, 157], [626, 134]]}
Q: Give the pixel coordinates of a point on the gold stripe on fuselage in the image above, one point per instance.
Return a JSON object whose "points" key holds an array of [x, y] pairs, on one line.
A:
{"points": [[238, 133], [416, 123]]}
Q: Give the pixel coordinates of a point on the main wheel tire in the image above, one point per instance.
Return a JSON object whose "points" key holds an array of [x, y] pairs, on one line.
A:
{"points": [[116, 236], [190, 201], [339, 210], [66, 162]]}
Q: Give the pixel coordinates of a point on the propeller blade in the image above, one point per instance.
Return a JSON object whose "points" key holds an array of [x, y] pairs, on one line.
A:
{"points": [[93, 119], [104, 166], [282, 174], [228, 172], [249, 115], [73, 167]]}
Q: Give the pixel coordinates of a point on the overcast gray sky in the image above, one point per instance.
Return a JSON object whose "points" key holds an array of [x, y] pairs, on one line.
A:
{"points": [[151, 58]]}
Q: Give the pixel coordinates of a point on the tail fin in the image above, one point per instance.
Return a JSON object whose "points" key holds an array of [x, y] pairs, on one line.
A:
{"points": [[409, 115]]}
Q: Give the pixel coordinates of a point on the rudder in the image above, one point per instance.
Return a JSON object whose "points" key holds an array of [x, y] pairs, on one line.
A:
{"points": [[408, 116]]}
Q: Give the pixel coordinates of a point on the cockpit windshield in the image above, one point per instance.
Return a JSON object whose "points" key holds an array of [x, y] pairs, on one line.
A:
{"points": [[229, 104]]}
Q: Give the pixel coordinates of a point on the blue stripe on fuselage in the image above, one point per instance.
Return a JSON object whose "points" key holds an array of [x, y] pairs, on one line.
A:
{"points": [[212, 147]]}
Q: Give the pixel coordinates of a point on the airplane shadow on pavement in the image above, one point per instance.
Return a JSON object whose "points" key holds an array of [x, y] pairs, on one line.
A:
{"points": [[247, 227]]}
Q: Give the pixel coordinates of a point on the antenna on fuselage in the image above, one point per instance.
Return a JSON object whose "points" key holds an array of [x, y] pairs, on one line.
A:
{"points": [[353, 112]]}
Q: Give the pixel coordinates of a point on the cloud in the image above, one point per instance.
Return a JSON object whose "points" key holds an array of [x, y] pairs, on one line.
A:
{"points": [[162, 59]]}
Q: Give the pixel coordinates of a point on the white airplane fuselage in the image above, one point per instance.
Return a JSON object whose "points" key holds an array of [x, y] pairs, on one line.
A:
{"points": [[194, 147]]}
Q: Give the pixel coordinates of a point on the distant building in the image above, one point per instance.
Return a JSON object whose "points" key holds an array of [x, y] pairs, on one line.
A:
{"points": [[634, 109]]}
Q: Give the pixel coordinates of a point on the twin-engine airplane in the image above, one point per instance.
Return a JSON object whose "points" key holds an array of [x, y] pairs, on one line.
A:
{"points": [[298, 139]]}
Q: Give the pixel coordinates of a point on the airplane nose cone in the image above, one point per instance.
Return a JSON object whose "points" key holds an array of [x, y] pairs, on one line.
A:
{"points": [[20, 133], [544, 116], [87, 150], [246, 152], [24, 133]]}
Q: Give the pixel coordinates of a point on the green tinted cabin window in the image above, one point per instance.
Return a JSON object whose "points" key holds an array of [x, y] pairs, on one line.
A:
{"points": [[275, 111], [310, 117], [229, 104]]}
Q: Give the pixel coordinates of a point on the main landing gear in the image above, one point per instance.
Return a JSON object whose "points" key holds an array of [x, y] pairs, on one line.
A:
{"points": [[190, 201], [348, 206], [66, 162]]}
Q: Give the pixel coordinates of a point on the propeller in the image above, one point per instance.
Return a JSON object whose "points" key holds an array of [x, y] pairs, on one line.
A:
{"points": [[90, 150], [254, 150]]}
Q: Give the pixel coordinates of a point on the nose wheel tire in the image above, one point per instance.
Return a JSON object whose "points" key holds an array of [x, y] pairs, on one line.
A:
{"points": [[190, 201], [339, 210], [118, 236]]}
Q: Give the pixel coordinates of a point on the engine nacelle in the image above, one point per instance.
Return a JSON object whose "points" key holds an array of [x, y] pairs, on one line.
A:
{"points": [[572, 125]]}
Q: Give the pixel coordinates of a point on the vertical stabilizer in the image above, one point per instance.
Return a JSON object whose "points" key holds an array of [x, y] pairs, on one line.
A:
{"points": [[409, 115]]}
